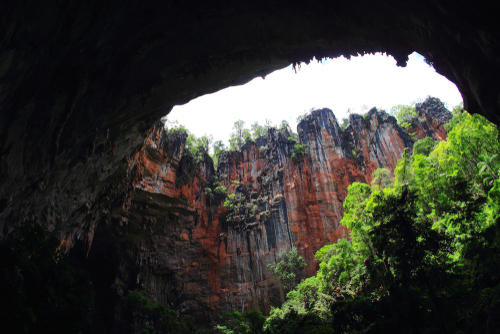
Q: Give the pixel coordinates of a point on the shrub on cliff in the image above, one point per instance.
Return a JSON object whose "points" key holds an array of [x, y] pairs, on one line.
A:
{"points": [[220, 190], [195, 147], [381, 178], [293, 136], [299, 152], [239, 136], [345, 122], [289, 263], [218, 148], [215, 193]]}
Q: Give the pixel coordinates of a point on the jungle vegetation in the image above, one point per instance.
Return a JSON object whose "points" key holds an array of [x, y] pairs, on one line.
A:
{"points": [[424, 249]]}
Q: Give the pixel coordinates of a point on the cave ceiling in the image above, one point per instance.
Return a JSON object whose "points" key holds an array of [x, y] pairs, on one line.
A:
{"points": [[82, 82]]}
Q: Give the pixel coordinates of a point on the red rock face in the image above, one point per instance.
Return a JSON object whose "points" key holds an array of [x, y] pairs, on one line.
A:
{"points": [[432, 116], [192, 253]]}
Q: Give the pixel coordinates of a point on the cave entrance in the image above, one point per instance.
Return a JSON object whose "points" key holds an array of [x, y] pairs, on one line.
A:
{"points": [[344, 86]]}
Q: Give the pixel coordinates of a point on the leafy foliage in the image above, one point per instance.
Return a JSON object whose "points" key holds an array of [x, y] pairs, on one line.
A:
{"points": [[299, 152], [239, 136], [381, 178], [284, 125], [404, 113], [345, 122], [218, 148], [215, 193], [286, 268], [196, 147], [424, 146], [423, 254], [250, 322]]}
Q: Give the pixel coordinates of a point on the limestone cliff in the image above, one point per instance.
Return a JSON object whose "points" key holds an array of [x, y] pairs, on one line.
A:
{"points": [[171, 236], [432, 116]]}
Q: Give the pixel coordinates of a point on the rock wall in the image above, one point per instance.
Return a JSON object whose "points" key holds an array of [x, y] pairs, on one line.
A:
{"points": [[82, 83], [432, 116], [170, 237]]}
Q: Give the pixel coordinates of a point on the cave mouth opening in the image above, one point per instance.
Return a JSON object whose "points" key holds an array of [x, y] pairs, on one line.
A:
{"points": [[346, 86]]}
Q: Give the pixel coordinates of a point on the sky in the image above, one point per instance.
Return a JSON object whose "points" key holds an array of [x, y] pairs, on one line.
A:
{"points": [[337, 84]]}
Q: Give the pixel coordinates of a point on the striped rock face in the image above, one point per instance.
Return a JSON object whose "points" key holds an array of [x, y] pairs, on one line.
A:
{"points": [[171, 237]]}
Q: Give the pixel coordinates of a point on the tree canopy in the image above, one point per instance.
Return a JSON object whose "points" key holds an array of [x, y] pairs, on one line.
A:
{"points": [[424, 246]]}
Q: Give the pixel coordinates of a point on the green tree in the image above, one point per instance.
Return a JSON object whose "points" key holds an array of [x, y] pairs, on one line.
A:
{"points": [[424, 146], [237, 137], [218, 148], [287, 266], [257, 130], [284, 125], [293, 322], [268, 124], [423, 255], [381, 178], [299, 152], [205, 141], [458, 109], [404, 113], [294, 137], [191, 146]]}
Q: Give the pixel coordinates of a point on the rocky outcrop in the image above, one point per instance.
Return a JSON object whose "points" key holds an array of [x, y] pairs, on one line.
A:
{"points": [[176, 239], [432, 116]]}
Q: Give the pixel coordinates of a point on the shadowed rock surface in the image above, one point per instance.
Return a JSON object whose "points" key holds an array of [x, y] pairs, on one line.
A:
{"points": [[82, 82]]}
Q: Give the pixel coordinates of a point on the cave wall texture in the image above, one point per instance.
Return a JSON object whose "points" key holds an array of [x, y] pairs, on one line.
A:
{"points": [[82, 82]]}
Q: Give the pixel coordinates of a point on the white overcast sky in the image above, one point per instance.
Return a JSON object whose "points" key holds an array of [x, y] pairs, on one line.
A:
{"points": [[338, 84]]}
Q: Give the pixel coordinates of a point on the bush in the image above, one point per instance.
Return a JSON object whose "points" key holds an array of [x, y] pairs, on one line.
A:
{"points": [[424, 146], [221, 190], [228, 203], [286, 267], [404, 113], [293, 137], [299, 152], [405, 126]]}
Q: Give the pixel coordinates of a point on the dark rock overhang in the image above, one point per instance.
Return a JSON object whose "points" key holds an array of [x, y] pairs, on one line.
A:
{"points": [[83, 81]]}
